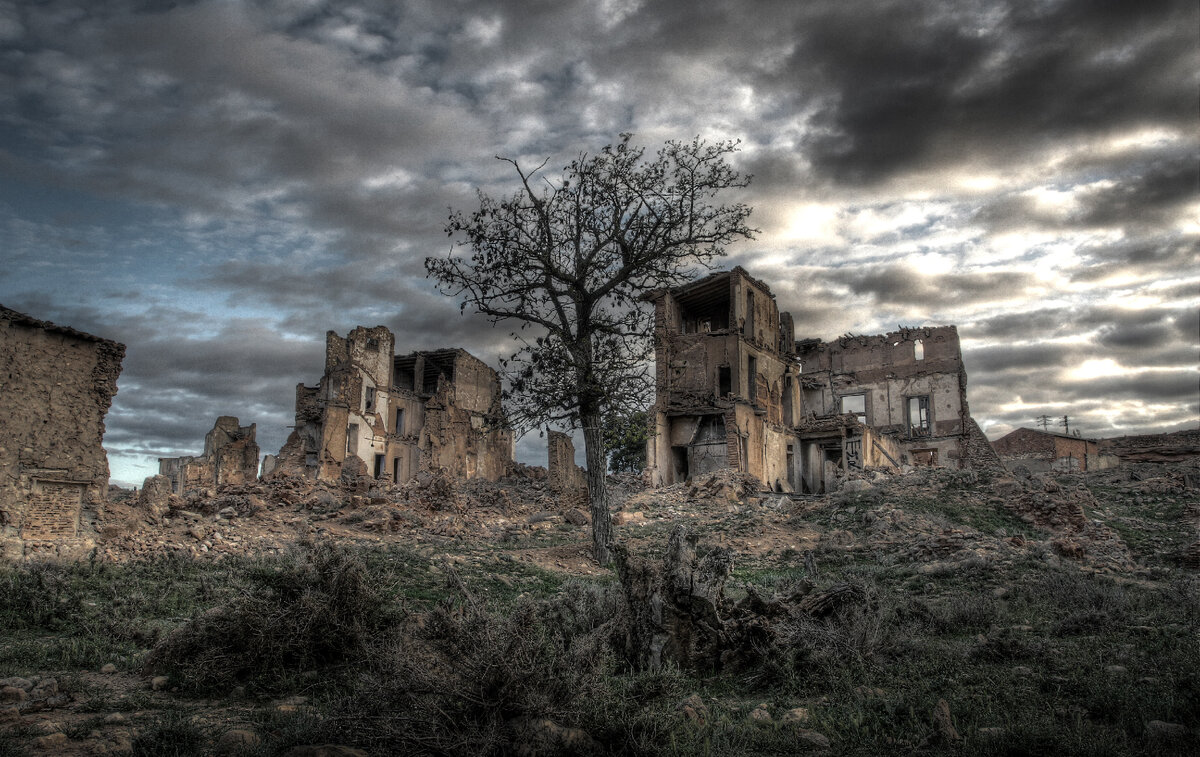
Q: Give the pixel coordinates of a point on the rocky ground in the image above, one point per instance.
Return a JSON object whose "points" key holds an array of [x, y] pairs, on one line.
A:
{"points": [[943, 545]]}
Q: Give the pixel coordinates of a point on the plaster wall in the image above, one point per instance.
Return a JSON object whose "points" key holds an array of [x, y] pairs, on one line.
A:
{"points": [[57, 385]]}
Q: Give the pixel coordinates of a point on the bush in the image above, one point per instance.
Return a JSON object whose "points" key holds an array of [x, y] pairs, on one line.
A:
{"points": [[466, 681], [313, 608]]}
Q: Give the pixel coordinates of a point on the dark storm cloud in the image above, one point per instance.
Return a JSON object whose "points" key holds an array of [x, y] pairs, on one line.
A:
{"points": [[1118, 327], [296, 161], [902, 285], [1147, 257], [1152, 386], [914, 82]]}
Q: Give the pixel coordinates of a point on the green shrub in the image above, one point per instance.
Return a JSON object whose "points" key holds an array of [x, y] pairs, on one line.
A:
{"points": [[315, 607]]}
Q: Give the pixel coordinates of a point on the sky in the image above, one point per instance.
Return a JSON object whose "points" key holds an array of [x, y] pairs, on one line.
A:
{"points": [[217, 184]]}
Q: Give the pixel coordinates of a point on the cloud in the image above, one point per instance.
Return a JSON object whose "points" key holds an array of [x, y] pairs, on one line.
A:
{"points": [[216, 184]]}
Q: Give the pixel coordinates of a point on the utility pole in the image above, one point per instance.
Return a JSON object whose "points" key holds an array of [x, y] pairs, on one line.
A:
{"points": [[1044, 420], [1066, 423]]}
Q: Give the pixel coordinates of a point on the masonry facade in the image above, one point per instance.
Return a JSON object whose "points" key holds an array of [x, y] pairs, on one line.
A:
{"points": [[735, 389], [389, 416], [1042, 451], [57, 384], [230, 457]]}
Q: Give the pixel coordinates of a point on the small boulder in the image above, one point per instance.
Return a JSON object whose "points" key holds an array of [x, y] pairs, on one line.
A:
{"points": [[797, 715], [53, 742], [108, 668], [1159, 730], [694, 709], [761, 715], [576, 517], [12, 695], [945, 722], [237, 740], [811, 739]]}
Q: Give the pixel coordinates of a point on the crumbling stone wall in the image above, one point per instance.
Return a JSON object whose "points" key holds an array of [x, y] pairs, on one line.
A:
{"points": [[561, 470], [889, 372], [57, 384], [1041, 451], [391, 417], [722, 350], [230, 457], [567, 480]]}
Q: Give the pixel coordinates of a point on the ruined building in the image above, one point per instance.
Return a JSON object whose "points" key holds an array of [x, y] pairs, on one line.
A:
{"points": [[57, 384], [389, 416], [736, 390], [230, 457], [1040, 451]]}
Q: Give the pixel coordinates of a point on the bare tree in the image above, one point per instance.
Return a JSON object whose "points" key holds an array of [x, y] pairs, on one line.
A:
{"points": [[568, 259]]}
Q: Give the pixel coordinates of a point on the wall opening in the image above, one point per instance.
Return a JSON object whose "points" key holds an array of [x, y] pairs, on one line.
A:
{"points": [[679, 464], [856, 404], [724, 381], [751, 378], [369, 399], [352, 439], [404, 377], [749, 325], [400, 421], [925, 457], [918, 415], [379, 460], [788, 417], [919, 350]]}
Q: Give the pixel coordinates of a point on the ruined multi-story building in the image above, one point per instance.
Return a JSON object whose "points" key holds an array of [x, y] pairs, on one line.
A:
{"points": [[390, 416], [57, 384], [736, 390], [230, 457]]}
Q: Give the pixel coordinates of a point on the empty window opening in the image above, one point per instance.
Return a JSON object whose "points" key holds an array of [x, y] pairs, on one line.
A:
{"points": [[724, 381], [705, 302], [372, 344], [788, 390], [369, 399], [751, 378], [924, 457], [749, 326], [919, 350], [379, 459], [400, 421], [395, 470], [856, 404], [405, 378], [352, 439], [918, 416]]}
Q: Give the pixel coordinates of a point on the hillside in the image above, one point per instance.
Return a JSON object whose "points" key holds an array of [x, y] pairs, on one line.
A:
{"points": [[939, 612]]}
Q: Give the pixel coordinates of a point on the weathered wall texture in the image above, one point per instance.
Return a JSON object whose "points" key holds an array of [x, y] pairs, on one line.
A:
{"points": [[910, 384], [1046, 450], [230, 457], [727, 389], [389, 416], [735, 389], [561, 470], [57, 384]]}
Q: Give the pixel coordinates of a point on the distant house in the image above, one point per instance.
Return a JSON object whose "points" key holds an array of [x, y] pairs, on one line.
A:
{"points": [[1041, 451]]}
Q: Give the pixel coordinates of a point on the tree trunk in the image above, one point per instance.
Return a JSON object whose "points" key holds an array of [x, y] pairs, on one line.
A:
{"points": [[597, 464]]}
